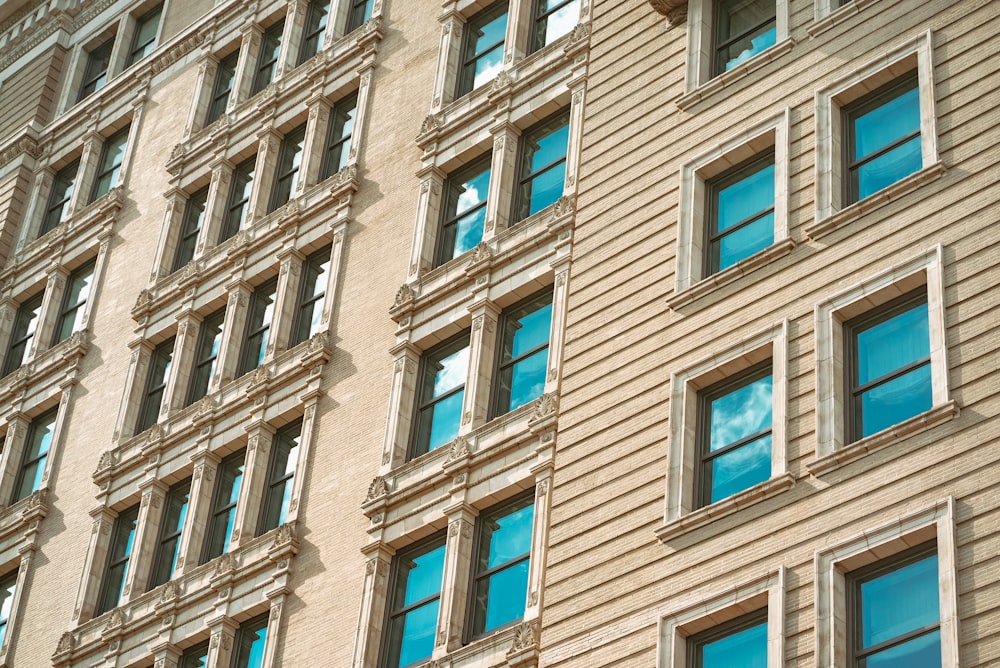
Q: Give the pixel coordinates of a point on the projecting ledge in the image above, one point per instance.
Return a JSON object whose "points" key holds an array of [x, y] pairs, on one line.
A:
{"points": [[674, 10]]}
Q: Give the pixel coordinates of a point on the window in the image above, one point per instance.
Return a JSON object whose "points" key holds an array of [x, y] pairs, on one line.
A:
{"points": [[882, 138], [312, 296], [740, 213], [95, 74], [36, 453], [195, 657], [194, 217], [267, 62], [287, 171], [542, 166], [553, 19], [280, 475], [895, 611], [735, 434], [206, 355], [156, 383], [414, 599], [743, 28], [739, 642], [359, 13], [238, 206], [22, 333], [482, 52], [259, 317], [890, 369], [228, 479], [119, 553], [225, 76], [338, 136], [57, 207], [169, 541], [312, 38], [8, 587], [72, 313], [523, 353], [463, 215], [112, 155], [499, 588], [251, 637], [440, 392], [144, 39]]}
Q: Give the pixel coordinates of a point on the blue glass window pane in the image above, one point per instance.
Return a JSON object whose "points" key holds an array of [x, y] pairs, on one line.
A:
{"points": [[746, 198], [887, 124], [507, 594], [921, 652], [746, 49], [741, 468], [889, 168], [746, 241], [741, 413], [419, 625], [743, 649], [424, 576], [528, 379], [469, 231], [891, 345], [549, 147], [511, 539], [487, 45], [545, 189], [900, 601], [445, 419], [255, 657], [533, 330], [559, 22], [451, 373]]}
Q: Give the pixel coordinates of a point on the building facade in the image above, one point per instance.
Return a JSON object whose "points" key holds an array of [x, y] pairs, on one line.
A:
{"points": [[522, 333]]}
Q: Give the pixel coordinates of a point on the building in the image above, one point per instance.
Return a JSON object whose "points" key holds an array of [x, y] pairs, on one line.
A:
{"points": [[567, 333]]}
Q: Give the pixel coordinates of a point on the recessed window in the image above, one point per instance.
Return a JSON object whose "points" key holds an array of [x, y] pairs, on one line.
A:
{"points": [[735, 434], [225, 77], [743, 28], [541, 166], [267, 62], [228, 480], [440, 392], [312, 296], [259, 317], [57, 207], [315, 26], [499, 589], [112, 156], [22, 334], [523, 353], [553, 19], [358, 14], [168, 542], [280, 476], [95, 73], [463, 215], [338, 136], [739, 642], [238, 204], [156, 383], [890, 371], [195, 656], [251, 638], [286, 173], [206, 355], [895, 615], [36, 453], [414, 600], [740, 213], [144, 39], [482, 52], [882, 138], [194, 218], [119, 555], [72, 312], [8, 587]]}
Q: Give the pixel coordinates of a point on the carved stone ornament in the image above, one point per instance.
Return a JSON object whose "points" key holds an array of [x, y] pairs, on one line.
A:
{"points": [[170, 591], [459, 449], [564, 205], [37, 499], [235, 538], [65, 643], [665, 7], [580, 32], [481, 253], [370, 566], [347, 174], [379, 487], [404, 294], [455, 528], [25, 145], [283, 534], [545, 405], [431, 122], [225, 564], [143, 300], [441, 637], [206, 404], [178, 151], [116, 620], [524, 638], [259, 376], [501, 81], [677, 16], [107, 461]]}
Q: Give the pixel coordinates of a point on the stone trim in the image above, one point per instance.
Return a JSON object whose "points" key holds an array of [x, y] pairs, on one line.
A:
{"points": [[827, 14]]}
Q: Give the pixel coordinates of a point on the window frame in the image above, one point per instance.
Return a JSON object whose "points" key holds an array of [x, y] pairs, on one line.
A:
{"points": [[8, 583], [219, 101], [543, 297], [149, 408], [711, 260], [717, 65], [135, 48], [289, 435], [49, 221], [29, 336], [537, 16], [261, 332], [271, 40], [473, 168], [335, 142], [254, 625], [466, 79], [201, 359], [290, 174], [222, 506], [167, 534], [521, 179], [38, 462], [93, 79], [107, 176], [245, 172], [302, 300], [358, 13], [187, 241], [315, 34], [696, 642], [112, 562], [415, 449], [193, 652], [65, 309]]}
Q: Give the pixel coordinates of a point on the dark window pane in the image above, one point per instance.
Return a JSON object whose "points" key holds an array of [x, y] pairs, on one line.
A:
{"points": [[22, 334], [250, 640], [744, 28], [171, 526], [361, 11], [484, 44], [553, 19], [542, 166], [57, 207], [225, 76], [156, 383], [286, 175], [267, 62], [95, 75], [259, 317], [315, 27], [744, 649], [195, 657], [338, 141], [207, 353], [464, 211], [112, 155], [194, 217], [229, 478], [74, 300], [119, 554], [440, 395], [312, 296], [144, 40], [238, 207], [36, 452], [281, 474]]}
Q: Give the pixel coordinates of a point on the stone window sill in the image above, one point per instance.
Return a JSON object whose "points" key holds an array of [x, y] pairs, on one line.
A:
{"points": [[879, 440], [730, 274], [715, 84], [903, 186], [838, 16], [708, 514]]}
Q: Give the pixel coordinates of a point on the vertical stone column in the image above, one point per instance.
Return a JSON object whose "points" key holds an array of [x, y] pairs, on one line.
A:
{"points": [[314, 145], [539, 540], [502, 179], [123, 41], [13, 451], [175, 392], [455, 582], [373, 602], [557, 332], [232, 333], [36, 206], [135, 381], [259, 439], [519, 16], [401, 398], [291, 40], [220, 646], [475, 412], [8, 313], [206, 465], [170, 232], [268, 147], [428, 216], [166, 655], [575, 141], [246, 65], [89, 159], [361, 110], [144, 543], [449, 55], [27, 553], [49, 313], [97, 556], [306, 437], [333, 276], [285, 301], [273, 629], [216, 203], [208, 68]]}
